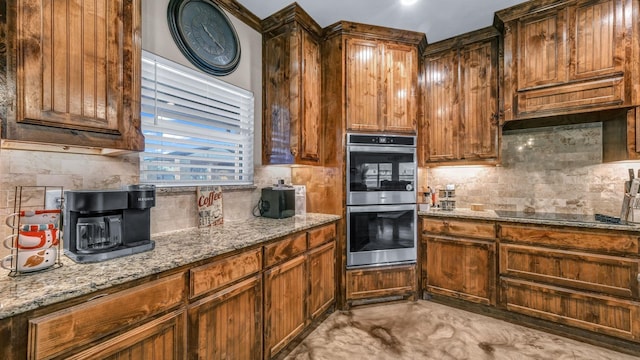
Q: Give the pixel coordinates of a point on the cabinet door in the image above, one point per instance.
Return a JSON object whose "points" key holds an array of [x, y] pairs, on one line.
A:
{"points": [[322, 285], [461, 268], [310, 130], [227, 325], [276, 123], [542, 49], [362, 85], [479, 131], [78, 68], [292, 80], [160, 339], [400, 80], [284, 309], [441, 106], [597, 39]]}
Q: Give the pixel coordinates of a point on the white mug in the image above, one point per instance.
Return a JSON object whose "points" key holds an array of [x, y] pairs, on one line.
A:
{"points": [[30, 218], [31, 240], [30, 260]]}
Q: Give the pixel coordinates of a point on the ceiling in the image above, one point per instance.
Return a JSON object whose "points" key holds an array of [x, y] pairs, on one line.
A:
{"points": [[438, 19]]}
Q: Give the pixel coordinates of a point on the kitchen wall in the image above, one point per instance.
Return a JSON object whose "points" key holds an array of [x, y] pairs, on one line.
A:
{"points": [[175, 207], [551, 169]]}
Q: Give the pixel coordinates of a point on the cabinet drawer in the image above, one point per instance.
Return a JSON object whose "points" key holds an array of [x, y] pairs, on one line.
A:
{"points": [[162, 337], [605, 274], [53, 334], [601, 314], [285, 249], [380, 282], [321, 235], [601, 240], [209, 277], [469, 228]]}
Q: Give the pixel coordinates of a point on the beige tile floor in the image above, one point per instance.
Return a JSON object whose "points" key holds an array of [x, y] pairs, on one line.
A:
{"points": [[427, 330]]}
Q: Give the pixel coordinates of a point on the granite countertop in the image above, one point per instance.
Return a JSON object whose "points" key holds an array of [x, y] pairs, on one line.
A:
{"points": [[582, 221], [173, 249]]}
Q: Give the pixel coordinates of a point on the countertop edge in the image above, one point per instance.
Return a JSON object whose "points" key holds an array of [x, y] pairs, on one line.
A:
{"points": [[491, 215]]}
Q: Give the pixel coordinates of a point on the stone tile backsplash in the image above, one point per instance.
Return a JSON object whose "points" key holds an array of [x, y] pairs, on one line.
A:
{"points": [[551, 169], [173, 211]]}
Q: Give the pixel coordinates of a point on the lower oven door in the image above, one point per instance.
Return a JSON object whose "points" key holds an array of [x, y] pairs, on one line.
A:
{"points": [[381, 234]]}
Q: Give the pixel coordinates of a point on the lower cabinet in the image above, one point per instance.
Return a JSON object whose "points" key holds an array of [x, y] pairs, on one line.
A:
{"points": [[247, 305], [284, 307], [228, 324], [322, 284], [299, 285], [591, 285], [459, 259], [565, 278], [460, 268]]}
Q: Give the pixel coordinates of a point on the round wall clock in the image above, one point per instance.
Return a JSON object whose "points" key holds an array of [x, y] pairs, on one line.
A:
{"points": [[205, 35]]}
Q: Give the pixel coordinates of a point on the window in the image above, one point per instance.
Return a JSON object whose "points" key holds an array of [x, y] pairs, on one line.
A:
{"points": [[198, 129]]}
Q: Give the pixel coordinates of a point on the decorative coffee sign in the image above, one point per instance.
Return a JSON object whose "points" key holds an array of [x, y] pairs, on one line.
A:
{"points": [[209, 200]]}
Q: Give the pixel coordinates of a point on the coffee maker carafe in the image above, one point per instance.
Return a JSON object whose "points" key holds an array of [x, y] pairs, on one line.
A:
{"points": [[104, 224]]}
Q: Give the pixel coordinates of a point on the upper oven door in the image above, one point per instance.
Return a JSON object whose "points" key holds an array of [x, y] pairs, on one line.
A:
{"points": [[381, 174]]}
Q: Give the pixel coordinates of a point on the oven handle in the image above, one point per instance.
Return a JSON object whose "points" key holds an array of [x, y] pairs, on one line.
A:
{"points": [[382, 149], [380, 208]]}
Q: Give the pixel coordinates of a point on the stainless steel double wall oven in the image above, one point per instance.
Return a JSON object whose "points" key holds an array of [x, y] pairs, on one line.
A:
{"points": [[381, 199]]}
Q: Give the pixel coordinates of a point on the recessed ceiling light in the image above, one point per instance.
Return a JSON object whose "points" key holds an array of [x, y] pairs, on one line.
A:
{"points": [[408, 2]]}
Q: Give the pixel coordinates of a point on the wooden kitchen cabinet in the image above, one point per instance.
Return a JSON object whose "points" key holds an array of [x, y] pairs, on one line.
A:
{"points": [[381, 86], [64, 333], [292, 88], [461, 100], [587, 279], [228, 324], [299, 284], [322, 282], [460, 259], [284, 304], [566, 57], [370, 79], [75, 76]]}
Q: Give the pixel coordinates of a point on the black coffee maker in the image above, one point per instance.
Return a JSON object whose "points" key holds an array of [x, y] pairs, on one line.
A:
{"points": [[100, 225]]}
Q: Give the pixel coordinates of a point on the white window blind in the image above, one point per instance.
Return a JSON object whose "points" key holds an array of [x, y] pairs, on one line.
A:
{"points": [[198, 129]]}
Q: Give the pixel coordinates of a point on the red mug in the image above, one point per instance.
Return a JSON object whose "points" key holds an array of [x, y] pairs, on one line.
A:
{"points": [[30, 240]]}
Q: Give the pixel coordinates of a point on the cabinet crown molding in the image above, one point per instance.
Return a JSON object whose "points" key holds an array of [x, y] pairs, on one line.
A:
{"points": [[486, 33], [375, 32], [289, 14], [526, 8]]}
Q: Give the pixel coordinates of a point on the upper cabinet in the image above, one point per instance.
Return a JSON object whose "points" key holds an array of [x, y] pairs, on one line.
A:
{"points": [[371, 78], [75, 73], [460, 88], [381, 82], [566, 57], [292, 87]]}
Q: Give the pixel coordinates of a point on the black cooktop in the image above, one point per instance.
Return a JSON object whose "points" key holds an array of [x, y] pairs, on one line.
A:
{"points": [[559, 216]]}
